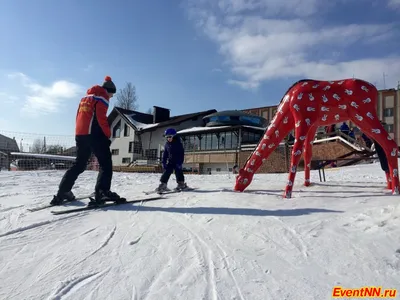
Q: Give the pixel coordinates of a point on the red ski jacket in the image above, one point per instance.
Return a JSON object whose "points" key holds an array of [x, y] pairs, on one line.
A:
{"points": [[91, 117]]}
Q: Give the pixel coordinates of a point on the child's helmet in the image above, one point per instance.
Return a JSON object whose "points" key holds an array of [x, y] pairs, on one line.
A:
{"points": [[170, 131]]}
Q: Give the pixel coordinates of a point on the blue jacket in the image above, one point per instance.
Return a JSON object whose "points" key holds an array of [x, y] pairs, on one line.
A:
{"points": [[174, 154], [345, 128]]}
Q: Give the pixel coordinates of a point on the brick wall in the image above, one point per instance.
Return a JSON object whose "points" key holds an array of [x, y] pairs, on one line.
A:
{"points": [[330, 150], [279, 160], [210, 157]]}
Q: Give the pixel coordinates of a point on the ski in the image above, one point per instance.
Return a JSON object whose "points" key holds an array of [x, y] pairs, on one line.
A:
{"points": [[169, 191], [157, 192], [65, 202], [67, 211]]}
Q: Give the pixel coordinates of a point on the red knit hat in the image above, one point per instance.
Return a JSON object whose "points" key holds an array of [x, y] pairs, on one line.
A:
{"points": [[109, 85]]}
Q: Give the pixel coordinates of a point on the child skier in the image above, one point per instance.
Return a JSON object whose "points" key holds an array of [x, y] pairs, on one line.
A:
{"points": [[172, 160]]}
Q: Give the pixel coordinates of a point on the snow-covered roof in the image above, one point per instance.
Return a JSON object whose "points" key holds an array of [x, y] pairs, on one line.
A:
{"points": [[197, 129], [40, 155], [139, 125]]}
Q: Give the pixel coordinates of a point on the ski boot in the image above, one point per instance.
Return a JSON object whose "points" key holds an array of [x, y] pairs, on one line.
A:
{"points": [[102, 197], [162, 188], [59, 199], [181, 186]]}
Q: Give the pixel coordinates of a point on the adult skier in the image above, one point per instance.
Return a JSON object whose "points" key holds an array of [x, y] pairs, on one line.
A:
{"points": [[92, 135]]}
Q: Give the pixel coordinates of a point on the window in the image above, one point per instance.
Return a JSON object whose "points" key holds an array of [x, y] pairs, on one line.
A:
{"points": [[127, 130], [203, 142], [115, 151], [218, 169], [235, 140], [214, 141], [389, 128], [135, 147], [191, 143], [222, 140], [130, 148], [220, 119], [250, 137], [388, 112], [251, 120], [126, 160], [117, 130], [151, 154]]}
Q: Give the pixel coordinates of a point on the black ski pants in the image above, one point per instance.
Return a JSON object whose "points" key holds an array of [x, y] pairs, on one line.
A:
{"points": [[169, 170], [85, 146]]}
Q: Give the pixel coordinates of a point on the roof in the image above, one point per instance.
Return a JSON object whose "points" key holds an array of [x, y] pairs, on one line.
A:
{"points": [[233, 113], [144, 122], [234, 117], [216, 129], [136, 119], [260, 107], [179, 119], [8, 144]]}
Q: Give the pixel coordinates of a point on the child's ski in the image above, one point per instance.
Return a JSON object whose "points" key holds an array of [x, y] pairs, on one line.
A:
{"points": [[169, 191]]}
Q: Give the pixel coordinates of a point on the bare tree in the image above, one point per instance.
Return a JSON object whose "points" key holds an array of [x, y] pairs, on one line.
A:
{"points": [[37, 146], [127, 98], [54, 149]]}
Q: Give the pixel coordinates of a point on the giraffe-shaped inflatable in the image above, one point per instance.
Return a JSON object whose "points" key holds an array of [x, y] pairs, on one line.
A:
{"points": [[309, 104]]}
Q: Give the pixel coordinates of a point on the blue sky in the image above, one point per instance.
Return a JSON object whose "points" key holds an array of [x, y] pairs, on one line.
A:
{"points": [[184, 55]]}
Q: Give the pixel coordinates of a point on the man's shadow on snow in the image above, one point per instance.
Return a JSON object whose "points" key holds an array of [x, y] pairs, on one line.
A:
{"points": [[341, 184], [327, 194], [235, 211]]}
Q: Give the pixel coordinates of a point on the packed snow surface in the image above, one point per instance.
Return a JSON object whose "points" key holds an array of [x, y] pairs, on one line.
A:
{"points": [[211, 243]]}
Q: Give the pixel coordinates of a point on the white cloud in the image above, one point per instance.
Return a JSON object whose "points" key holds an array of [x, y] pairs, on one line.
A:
{"points": [[273, 39], [270, 7], [8, 99], [41, 99], [3, 124], [394, 4], [88, 68]]}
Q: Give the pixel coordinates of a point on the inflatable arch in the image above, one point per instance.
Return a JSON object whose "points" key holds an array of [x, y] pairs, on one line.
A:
{"points": [[309, 104]]}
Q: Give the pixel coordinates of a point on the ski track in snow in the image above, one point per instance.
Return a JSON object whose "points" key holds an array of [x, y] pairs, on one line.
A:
{"points": [[102, 245], [35, 225], [209, 244], [10, 208], [210, 255], [69, 287], [213, 265]]}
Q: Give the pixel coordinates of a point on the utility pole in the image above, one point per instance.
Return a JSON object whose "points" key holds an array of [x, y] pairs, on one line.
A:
{"points": [[384, 80]]}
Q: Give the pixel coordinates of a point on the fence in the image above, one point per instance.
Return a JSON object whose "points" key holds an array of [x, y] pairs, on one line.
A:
{"points": [[21, 151], [34, 151]]}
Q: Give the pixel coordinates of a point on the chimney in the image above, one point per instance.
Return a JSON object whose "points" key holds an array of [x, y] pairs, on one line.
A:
{"points": [[160, 114]]}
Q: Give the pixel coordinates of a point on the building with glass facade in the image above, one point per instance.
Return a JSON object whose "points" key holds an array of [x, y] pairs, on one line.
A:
{"points": [[218, 145]]}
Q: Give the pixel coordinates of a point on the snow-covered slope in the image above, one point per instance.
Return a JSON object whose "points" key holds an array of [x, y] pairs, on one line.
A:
{"points": [[207, 244]]}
